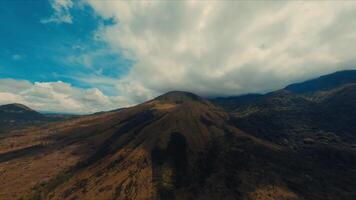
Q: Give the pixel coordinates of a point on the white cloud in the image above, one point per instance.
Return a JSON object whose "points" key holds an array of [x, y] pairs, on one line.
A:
{"points": [[206, 47], [61, 13], [57, 97], [227, 48]]}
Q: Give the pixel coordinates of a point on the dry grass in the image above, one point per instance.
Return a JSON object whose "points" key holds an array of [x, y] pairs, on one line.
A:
{"points": [[163, 106], [20, 175], [273, 193]]}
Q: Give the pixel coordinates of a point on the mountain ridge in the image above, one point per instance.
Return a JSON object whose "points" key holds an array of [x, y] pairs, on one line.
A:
{"points": [[307, 88], [325, 82]]}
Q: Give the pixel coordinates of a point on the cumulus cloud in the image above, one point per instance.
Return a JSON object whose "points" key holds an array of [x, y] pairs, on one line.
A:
{"points": [[61, 12], [226, 48], [57, 96], [212, 48]]}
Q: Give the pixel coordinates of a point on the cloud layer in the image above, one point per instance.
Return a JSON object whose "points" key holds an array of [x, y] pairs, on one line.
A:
{"points": [[212, 48], [57, 97], [227, 48]]}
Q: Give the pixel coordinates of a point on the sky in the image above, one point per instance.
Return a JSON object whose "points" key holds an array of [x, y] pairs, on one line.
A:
{"points": [[85, 56]]}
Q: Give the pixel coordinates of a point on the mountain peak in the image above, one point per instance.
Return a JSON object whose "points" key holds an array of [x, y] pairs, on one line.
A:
{"points": [[15, 107], [179, 97]]}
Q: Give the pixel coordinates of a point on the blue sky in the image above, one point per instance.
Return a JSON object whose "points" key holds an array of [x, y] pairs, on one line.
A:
{"points": [[84, 56], [47, 52]]}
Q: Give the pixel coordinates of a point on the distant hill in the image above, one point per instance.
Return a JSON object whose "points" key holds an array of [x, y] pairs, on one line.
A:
{"points": [[18, 112], [326, 82], [323, 83], [289, 118], [18, 115]]}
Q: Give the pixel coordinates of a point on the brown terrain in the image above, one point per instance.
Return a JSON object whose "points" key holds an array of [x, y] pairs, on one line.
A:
{"points": [[33, 155], [281, 146]]}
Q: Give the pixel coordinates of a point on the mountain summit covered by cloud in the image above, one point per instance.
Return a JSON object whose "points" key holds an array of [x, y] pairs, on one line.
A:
{"points": [[212, 48]]}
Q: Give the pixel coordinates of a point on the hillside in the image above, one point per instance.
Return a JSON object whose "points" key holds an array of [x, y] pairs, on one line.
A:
{"points": [[235, 102], [14, 116], [293, 119], [325, 82], [18, 112], [176, 146]]}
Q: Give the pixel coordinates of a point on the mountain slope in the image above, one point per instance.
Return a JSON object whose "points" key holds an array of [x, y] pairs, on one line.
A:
{"points": [[307, 88], [18, 115], [152, 153], [278, 116], [176, 146], [338, 108], [288, 118], [326, 82], [235, 102], [18, 112]]}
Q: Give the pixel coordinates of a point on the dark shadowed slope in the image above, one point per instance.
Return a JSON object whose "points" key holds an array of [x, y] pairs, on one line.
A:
{"points": [[14, 116], [338, 110], [288, 118], [326, 82], [18, 112], [278, 117], [235, 102]]}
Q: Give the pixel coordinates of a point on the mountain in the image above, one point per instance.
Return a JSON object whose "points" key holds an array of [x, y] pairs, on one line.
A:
{"points": [[321, 110], [338, 109], [234, 102], [309, 87], [323, 83], [18, 115], [288, 118], [176, 146], [18, 112]]}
